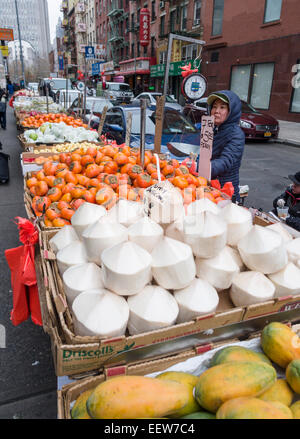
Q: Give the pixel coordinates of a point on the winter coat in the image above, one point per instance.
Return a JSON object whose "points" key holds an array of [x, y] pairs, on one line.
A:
{"points": [[228, 145], [293, 202]]}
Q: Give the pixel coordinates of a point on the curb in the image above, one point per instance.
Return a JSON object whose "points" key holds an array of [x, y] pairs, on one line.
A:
{"points": [[287, 142]]}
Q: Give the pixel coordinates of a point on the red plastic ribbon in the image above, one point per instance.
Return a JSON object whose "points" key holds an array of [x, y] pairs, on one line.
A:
{"points": [[23, 276]]}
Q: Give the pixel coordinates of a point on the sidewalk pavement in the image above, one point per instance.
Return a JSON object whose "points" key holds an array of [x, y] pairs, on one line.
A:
{"points": [[289, 133]]}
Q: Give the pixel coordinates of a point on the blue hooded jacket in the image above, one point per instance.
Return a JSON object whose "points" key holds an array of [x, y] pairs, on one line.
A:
{"points": [[228, 145]]}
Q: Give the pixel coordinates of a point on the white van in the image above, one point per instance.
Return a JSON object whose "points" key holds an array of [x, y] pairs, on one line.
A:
{"points": [[116, 92], [66, 99]]}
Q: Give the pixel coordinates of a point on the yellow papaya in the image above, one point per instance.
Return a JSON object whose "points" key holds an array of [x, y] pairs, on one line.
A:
{"points": [[79, 410], [295, 409], [133, 397], [280, 343], [284, 408], [237, 353], [292, 374], [188, 380], [280, 391], [252, 408], [232, 380]]}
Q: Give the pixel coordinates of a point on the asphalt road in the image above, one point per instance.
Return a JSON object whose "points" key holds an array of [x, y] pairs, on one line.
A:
{"points": [[27, 379]]}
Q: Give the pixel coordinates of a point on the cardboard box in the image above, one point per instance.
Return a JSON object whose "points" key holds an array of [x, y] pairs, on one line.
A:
{"points": [[68, 394]]}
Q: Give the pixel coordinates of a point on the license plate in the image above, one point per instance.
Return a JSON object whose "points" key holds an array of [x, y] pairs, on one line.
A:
{"points": [[267, 134]]}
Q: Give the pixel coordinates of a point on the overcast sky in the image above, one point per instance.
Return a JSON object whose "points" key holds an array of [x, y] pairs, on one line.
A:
{"points": [[54, 14]]}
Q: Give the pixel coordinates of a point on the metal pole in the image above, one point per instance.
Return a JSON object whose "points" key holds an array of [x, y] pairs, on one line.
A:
{"points": [[143, 131], [20, 40], [85, 74]]}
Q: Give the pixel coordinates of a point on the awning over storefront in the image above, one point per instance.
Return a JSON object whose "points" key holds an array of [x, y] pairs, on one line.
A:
{"points": [[158, 70], [137, 66]]}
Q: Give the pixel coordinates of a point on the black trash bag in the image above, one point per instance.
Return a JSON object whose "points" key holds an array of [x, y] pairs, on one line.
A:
{"points": [[4, 166]]}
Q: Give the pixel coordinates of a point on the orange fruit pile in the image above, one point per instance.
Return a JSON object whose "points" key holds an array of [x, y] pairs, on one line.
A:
{"points": [[40, 119], [103, 176]]}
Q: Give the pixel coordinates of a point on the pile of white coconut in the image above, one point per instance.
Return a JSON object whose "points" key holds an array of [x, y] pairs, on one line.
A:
{"points": [[141, 267]]}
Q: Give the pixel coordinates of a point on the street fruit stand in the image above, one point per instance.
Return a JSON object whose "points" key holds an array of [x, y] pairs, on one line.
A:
{"points": [[143, 266]]}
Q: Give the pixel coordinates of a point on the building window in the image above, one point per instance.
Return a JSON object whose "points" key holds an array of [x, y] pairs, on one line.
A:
{"points": [[153, 16], [172, 20], [152, 46], [162, 57], [162, 25], [217, 24], [197, 12], [132, 50], [272, 10], [138, 50], [295, 103], [253, 83], [183, 17]]}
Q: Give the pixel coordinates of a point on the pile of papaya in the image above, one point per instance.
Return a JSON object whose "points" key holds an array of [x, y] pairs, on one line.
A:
{"points": [[239, 383]]}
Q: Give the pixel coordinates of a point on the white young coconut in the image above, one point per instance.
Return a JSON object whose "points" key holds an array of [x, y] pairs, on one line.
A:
{"points": [[239, 222], [163, 203], [206, 233], [263, 250], [293, 250], [101, 313], [146, 233], [101, 235], [173, 264], [175, 230], [197, 299], [72, 254], [218, 271], [250, 287], [152, 308], [203, 205], [286, 281], [126, 268], [86, 214], [237, 258], [81, 277], [126, 212], [279, 228], [64, 237]]}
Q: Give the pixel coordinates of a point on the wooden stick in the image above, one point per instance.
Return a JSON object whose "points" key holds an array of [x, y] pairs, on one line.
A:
{"points": [[128, 129], [101, 123], [159, 119]]}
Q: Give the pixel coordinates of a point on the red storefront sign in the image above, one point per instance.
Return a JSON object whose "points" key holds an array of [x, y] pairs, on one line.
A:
{"points": [[144, 27]]}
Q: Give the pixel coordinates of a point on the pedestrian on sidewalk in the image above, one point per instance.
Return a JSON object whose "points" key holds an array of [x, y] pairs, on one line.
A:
{"points": [[3, 101], [291, 198], [229, 139]]}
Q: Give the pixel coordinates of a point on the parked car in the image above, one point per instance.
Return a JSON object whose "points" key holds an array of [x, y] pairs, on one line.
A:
{"points": [[95, 103], [254, 123], [118, 93], [34, 86], [66, 98], [55, 85], [178, 131], [152, 98]]}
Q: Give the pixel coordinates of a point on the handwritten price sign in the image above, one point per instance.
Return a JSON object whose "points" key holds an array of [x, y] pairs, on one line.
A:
{"points": [[206, 145]]}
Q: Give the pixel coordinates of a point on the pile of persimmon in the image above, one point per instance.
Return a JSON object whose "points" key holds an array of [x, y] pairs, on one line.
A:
{"points": [[39, 119], [103, 176]]}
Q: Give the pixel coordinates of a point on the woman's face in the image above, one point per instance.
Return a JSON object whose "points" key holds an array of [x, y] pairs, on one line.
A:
{"points": [[220, 111], [296, 188]]}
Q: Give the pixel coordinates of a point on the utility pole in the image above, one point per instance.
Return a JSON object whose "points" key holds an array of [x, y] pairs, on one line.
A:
{"points": [[20, 41]]}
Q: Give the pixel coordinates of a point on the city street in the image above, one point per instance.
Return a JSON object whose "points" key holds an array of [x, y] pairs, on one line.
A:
{"points": [[27, 380]]}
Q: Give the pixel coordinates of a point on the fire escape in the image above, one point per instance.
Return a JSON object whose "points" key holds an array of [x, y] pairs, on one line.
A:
{"points": [[116, 34]]}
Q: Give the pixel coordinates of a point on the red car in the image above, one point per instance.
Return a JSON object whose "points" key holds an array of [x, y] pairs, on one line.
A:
{"points": [[256, 125]]}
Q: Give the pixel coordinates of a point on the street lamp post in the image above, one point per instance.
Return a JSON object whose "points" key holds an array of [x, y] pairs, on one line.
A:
{"points": [[20, 40]]}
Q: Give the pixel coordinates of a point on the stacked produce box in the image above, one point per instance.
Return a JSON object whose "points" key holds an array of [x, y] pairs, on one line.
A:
{"points": [[140, 253]]}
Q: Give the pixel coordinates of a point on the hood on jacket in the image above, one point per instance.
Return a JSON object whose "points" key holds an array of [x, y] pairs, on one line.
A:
{"points": [[235, 107]]}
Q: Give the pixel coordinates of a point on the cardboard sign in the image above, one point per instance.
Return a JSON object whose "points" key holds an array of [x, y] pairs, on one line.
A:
{"points": [[159, 120], [206, 145], [6, 34], [128, 129], [101, 123]]}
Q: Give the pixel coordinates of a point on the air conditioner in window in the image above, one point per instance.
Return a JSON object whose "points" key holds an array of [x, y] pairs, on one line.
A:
{"points": [[161, 5], [197, 22]]}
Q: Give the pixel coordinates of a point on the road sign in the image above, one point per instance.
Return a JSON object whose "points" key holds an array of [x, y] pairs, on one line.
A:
{"points": [[61, 62], [89, 52], [6, 34]]}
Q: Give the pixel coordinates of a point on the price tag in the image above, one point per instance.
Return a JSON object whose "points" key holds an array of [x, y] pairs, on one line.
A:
{"points": [[206, 145]]}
